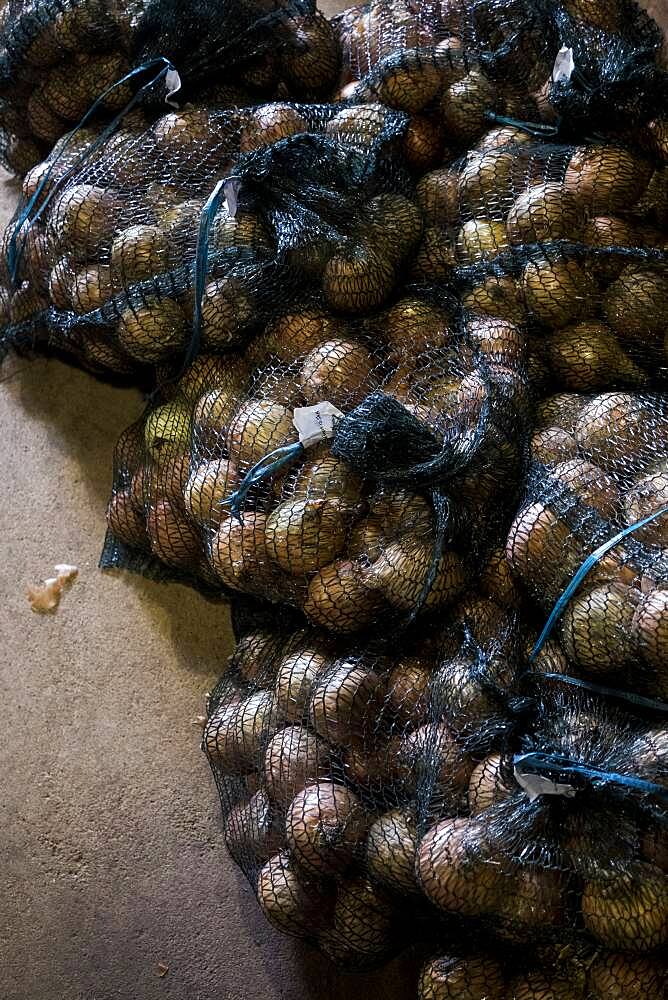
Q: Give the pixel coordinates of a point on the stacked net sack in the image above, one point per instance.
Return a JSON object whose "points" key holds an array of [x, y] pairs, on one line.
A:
{"points": [[105, 264], [405, 794], [60, 58], [395, 508]]}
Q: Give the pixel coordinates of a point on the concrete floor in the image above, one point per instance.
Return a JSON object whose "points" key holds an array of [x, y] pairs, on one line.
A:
{"points": [[113, 862]]}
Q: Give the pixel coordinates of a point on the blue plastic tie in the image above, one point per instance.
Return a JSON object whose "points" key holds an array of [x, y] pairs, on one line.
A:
{"points": [[546, 763], [266, 467], [608, 692], [15, 250], [587, 565], [540, 131], [201, 260]]}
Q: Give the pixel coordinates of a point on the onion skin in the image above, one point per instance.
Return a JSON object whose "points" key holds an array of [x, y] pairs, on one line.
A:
{"points": [[338, 371], [338, 599], [538, 987], [390, 850], [628, 912], [615, 976], [606, 179], [597, 628], [451, 880], [324, 825], [174, 539], [294, 758], [629, 415], [295, 676], [302, 536], [487, 786], [545, 212], [288, 901], [557, 292], [587, 357], [268, 124], [362, 926], [251, 830], [650, 630], [462, 979], [345, 703], [258, 427], [234, 734]]}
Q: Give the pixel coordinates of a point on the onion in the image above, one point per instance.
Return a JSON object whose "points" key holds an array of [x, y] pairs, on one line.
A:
{"points": [[430, 758], [654, 847], [498, 296], [339, 598], [561, 410], [557, 291], [297, 333], [543, 212], [471, 978], [553, 444], [588, 482], [391, 846], [326, 476], [362, 924], [270, 123], [227, 309], [251, 831], [392, 225], [303, 535], [84, 218], [498, 339], [587, 356], [634, 304], [167, 429], [91, 288], [464, 104], [534, 902], [400, 571], [153, 331], [630, 417], [125, 521], [487, 785], [357, 279], [239, 552], [174, 539], [413, 325], [255, 656], [208, 486], [362, 124], [258, 427], [480, 239], [614, 976], [324, 825], [628, 911], [503, 135], [411, 83], [294, 758], [236, 732], [407, 691], [295, 676], [596, 628], [137, 253], [606, 179], [496, 580], [649, 494], [535, 986], [345, 703], [311, 57], [435, 257], [450, 874], [339, 371], [288, 901], [437, 195], [650, 630], [551, 658], [423, 144]]}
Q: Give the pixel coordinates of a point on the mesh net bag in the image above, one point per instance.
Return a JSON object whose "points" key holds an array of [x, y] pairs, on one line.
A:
{"points": [[392, 514], [105, 267], [502, 58], [597, 470], [374, 807], [61, 57]]}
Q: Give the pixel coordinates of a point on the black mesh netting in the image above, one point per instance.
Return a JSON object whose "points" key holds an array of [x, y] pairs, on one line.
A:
{"points": [[105, 265], [399, 795], [59, 57]]}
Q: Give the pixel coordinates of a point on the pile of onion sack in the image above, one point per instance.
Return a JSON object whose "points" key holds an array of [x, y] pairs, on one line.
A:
{"points": [[63, 60], [396, 284]]}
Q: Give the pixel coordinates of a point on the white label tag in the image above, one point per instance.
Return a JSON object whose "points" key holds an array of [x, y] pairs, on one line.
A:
{"points": [[316, 423], [564, 65], [537, 784], [231, 190], [173, 85]]}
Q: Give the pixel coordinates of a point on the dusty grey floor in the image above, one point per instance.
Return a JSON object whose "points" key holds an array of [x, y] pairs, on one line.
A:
{"points": [[112, 859]]}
